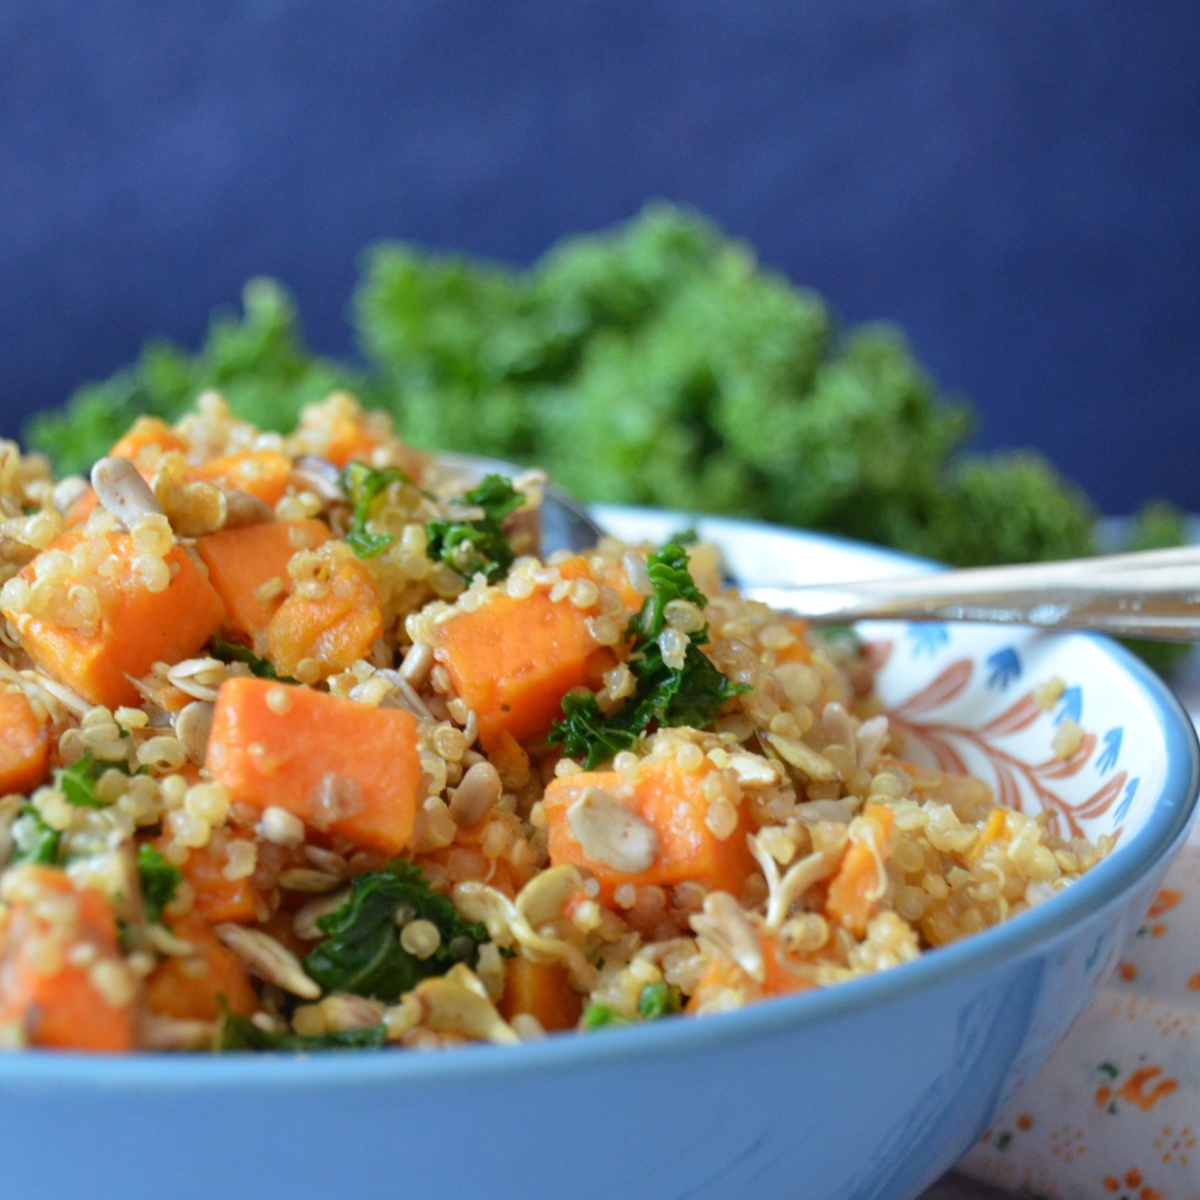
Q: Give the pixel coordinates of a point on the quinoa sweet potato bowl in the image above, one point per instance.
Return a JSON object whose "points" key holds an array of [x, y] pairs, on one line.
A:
{"points": [[302, 751]]}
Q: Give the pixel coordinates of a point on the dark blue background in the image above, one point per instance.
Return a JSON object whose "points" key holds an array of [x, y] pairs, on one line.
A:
{"points": [[1017, 183]]}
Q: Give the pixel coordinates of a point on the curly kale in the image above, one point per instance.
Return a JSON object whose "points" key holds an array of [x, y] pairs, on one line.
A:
{"points": [[259, 667], [653, 363], [478, 546], [362, 953], [159, 881], [257, 361], [236, 1032], [689, 695], [364, 485]]}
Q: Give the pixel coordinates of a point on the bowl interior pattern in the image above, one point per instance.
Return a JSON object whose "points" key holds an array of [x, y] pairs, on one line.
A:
{"points": [[1052, 722]]}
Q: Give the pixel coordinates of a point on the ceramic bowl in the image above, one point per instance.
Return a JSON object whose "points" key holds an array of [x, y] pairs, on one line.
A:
{"points": [[869, 1089]]}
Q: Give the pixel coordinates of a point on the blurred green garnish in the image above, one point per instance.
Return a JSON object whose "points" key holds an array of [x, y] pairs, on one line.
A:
{"points": [[654, 363]]}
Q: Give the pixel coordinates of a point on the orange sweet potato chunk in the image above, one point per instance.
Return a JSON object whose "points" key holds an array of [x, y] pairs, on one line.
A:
{"points": [[722, 974], [336, 629], [673, 802], [856, 888], [543, 991], [259, 473], [24, 745], [240, 561], [798, 651], [147, 440], [57, 1003], [513, 659], [194, 987], [217, 897], [132, 627], [340, 766]]}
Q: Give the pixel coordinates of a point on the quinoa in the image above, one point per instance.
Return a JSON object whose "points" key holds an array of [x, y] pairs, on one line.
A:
{"points": [[551, 894]]}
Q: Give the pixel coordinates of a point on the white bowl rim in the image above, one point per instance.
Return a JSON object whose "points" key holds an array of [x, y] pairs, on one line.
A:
{"points": [[1174, 810]]}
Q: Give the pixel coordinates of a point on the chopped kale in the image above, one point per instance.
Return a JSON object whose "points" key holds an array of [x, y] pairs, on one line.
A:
{"points": [[231, 652], [669, 574], [159, 881], [691, 695], [478, 547], [362, 953], [236, 1032], [363, 485], [659, 1000], [78, 781], [645, 362], [45, 848], [654, 1001], [601, 1016], [584, 731]]}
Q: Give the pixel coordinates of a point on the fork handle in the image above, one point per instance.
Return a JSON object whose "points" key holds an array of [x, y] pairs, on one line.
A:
{"points": [[1125, 604]]}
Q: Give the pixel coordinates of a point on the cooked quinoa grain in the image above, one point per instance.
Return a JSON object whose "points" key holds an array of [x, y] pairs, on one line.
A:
{"points": [[309, 747]]}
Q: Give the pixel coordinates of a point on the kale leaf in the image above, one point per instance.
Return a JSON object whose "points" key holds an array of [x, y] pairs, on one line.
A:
{"points": [[231, 652], [659, 1000], [78, 781], [363, 485], [159, 881], [654, 1001], [479, 546], [256, 359], [584, 731], [669, 574], [45, 848], [691, 695], [602, 1016], [362, 953], [236, 1032]]}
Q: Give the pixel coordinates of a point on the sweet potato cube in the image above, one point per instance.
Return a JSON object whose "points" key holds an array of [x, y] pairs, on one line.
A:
{"points": [[147, 440], [54, 1001], [194, 987], [513, 659], [671, 800], [336, 629], [101, 626], [259, 473], [543, 991], [24, 745], [241, 561], [218, 897], [859, 884], [338, 765]]}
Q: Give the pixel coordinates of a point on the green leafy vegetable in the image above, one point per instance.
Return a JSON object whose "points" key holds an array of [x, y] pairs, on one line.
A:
{"points": [[601, 1016], [668, 571], [44, 849], [659, 1000], [691, 695], [363, 954], [257, 361], [230, 652], [78, 781], [363, 485], [478, 546], [159, 881], [585, 732], [654, 1001], [236, 1032], [654, 363]]}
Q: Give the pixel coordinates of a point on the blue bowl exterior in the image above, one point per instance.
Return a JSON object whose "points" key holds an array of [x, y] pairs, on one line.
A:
{"points": [[873, 1101], [869, 1089]]}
